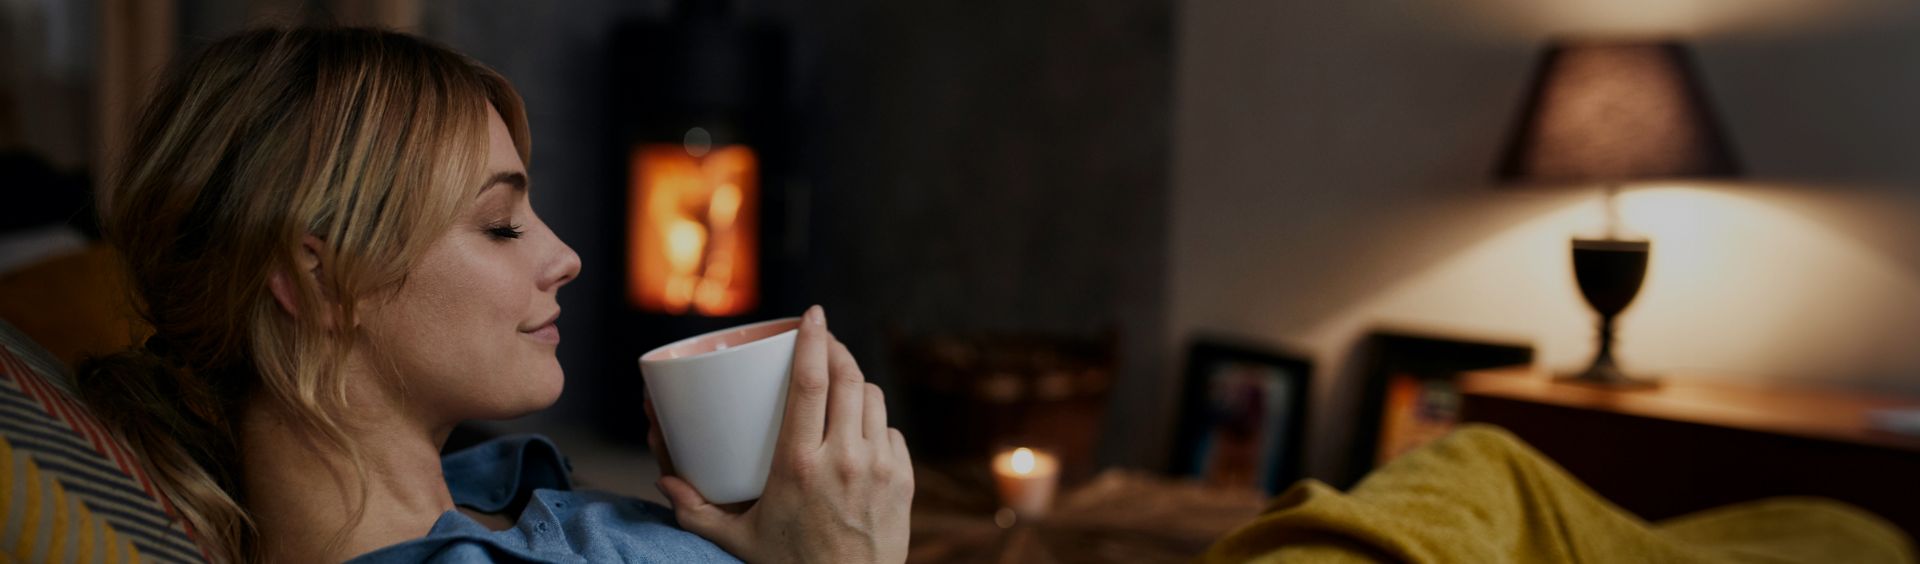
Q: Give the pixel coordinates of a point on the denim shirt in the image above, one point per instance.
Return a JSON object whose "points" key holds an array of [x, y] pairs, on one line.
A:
{"points": [[557, 523]]}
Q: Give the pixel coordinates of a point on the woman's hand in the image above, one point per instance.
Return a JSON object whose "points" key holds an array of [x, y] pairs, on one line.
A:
{"points": [[842, 482]]}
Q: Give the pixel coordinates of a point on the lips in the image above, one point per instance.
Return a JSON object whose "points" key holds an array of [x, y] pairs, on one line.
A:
{"points": [[546, 332]]}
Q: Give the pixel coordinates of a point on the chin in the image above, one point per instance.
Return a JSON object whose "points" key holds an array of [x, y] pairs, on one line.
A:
{"points": [[548, 382], [538, 388]]}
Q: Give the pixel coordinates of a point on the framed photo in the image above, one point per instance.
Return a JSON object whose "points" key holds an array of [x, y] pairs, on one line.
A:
{"points": [[1242, 417], [1409, 394]]}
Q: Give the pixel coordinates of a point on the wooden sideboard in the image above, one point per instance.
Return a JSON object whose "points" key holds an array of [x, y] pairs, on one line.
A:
{"points": [[1693, 444]]}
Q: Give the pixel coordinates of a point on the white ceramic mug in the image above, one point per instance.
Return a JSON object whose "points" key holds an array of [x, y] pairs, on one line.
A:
{"points": [[720, 398]]}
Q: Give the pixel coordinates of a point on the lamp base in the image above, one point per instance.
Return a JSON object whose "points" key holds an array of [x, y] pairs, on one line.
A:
{"points": [[1608, 376]]}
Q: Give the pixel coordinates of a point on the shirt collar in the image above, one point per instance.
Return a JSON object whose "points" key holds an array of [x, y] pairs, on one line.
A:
{"points": [[504, 472]]}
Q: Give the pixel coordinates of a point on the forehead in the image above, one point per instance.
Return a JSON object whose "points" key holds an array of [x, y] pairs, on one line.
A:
{"points": [[501, 154]]}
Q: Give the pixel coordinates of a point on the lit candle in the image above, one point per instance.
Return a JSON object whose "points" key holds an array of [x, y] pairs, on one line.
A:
{"points": [[1026, 478]]}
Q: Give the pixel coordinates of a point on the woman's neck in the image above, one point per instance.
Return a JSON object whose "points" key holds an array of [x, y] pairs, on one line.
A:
{"points": [[301, 491]]}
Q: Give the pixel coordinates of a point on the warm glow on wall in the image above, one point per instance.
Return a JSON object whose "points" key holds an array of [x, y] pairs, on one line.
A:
{"points": [[1738, 284], [1748, 279], [1697, 18], [691, 244]]}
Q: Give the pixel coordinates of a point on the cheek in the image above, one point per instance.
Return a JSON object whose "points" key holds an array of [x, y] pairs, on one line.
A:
{"points": [[453, 332], [427, 328], [477, 311]]}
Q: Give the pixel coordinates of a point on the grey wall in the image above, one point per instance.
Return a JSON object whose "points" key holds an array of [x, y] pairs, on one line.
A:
{"points": [[1332, 173], [997, 166]]}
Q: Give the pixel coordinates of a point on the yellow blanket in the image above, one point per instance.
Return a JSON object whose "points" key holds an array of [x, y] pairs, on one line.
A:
{"points": [[1481, 495]]}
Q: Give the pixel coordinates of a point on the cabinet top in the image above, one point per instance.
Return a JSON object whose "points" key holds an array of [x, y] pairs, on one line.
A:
{"points": [[1825, 413]]}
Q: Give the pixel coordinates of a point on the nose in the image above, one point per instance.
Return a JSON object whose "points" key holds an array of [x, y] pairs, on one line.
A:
{"points": [[564, 266]]}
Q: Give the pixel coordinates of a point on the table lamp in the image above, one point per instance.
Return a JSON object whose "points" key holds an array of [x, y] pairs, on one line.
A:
{"points": [[1610, 113]]}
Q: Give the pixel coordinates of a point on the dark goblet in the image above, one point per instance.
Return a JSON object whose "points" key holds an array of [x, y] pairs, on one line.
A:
{"points": [[1609, 272]]}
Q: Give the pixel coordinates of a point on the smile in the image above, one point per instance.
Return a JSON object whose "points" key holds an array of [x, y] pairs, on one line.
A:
{"points": [[546, 332]]}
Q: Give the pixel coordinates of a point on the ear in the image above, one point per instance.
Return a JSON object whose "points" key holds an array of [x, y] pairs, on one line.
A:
{"points": [[307, 269]]}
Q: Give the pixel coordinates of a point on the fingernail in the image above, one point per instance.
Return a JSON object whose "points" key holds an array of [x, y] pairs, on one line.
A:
{"points": [[817, 315]]}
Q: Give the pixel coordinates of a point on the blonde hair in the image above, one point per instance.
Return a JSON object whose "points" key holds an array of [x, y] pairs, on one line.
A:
{"points": [[371, 141]]}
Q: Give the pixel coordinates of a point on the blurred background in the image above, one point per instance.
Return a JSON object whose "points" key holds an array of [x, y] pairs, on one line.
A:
{"points": [[1147, 234]]}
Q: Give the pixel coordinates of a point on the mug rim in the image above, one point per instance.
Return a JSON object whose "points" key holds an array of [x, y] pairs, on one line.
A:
{"points": [[675, 360]]}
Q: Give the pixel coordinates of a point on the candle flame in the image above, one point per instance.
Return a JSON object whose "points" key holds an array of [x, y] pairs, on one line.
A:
{"points": [[1023, 461]]}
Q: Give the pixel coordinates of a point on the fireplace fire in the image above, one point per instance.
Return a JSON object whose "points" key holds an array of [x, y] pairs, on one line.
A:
{"points": [[691, 229]]}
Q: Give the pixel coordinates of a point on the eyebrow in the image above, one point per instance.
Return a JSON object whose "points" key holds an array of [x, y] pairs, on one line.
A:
{"points": [[514, 179]]}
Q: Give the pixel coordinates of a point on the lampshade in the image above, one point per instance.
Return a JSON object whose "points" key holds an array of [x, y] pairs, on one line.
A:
{"points": [[1615, 112]]}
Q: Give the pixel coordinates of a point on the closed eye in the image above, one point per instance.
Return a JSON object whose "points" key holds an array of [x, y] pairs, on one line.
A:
{"points": [[504, 232]]}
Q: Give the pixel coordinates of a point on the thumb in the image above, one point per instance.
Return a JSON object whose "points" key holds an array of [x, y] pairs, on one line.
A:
{"points": [[696, 514]]}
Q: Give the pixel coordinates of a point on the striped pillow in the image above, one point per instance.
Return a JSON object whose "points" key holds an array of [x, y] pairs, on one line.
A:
{"points": [[70, 492]]}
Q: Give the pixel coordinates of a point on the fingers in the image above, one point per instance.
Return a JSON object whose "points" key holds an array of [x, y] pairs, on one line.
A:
{"points": [[804, 426], [875, 415], [847, 399], [696, 515]]}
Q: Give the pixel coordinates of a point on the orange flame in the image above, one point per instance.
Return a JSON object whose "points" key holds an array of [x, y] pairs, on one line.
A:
{"points": [[691, 243]]}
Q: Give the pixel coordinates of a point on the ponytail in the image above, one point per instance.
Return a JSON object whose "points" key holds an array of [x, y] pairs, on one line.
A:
{"points": [[180, 428]]}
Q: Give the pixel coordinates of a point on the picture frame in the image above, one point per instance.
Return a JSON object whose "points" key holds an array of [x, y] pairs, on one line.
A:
{"points": [[1243, 416], [1409, 391]]}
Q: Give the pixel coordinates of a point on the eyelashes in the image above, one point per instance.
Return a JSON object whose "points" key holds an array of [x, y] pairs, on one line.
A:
{"points": [[505, 231]]}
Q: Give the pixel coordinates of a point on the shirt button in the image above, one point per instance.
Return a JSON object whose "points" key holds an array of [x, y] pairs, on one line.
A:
{"points": [[542, 526]]}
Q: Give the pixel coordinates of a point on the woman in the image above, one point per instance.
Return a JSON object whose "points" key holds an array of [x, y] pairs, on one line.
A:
{"points": [[329, 231]]}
